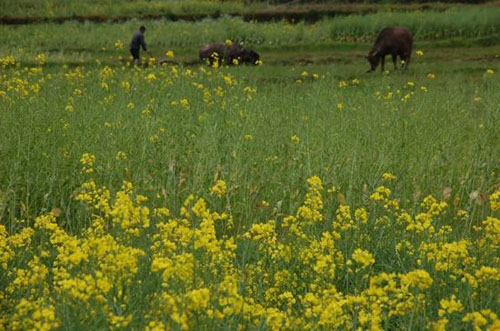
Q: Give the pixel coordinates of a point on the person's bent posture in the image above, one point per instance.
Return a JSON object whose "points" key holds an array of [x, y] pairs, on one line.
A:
{"points": [[136, 43]]}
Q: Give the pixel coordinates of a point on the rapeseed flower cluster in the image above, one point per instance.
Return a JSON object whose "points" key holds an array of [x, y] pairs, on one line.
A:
{"points": [[137, 265], [219, 189]]}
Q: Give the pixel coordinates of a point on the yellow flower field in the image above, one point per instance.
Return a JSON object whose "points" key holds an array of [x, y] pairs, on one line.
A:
{"points": [[186, 270], [272, 198]]}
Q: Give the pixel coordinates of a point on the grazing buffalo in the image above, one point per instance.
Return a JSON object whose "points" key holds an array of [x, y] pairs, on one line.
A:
{"points": [[396, 41], [227, 53]]}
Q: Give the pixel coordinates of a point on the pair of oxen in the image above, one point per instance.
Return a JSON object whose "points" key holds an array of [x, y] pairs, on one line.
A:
{"points": [[395, 41]]}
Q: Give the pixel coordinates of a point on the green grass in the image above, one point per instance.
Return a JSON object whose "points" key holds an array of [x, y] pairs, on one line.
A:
{"points": [[438, 139]]}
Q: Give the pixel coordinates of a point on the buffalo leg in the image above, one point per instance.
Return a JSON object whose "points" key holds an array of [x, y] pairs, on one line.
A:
{"points": [[382, 62], [407, 61], [394, 59]]}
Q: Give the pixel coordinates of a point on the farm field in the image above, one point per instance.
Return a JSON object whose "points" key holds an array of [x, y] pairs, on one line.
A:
{"points": [[84, 43], [303, 193]]}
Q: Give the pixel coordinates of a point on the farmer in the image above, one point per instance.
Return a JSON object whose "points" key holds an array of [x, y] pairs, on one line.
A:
{"points": [[137, 42]]}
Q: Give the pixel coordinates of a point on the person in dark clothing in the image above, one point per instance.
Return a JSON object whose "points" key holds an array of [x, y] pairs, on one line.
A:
{"points": [[137, 42]]}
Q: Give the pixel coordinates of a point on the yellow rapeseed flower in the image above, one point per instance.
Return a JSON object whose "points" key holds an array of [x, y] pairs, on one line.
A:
{"points": [[41, 58], [151, 77], [450, 306], [388, 176], [363, 258], [495, 201], [184, 103], [119, 44], [154, 138], [121, 155], [198, 299], [125, 85], [219, 189]]}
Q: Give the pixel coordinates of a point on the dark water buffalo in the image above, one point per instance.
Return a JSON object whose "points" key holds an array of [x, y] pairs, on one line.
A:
{"points": [[226, 53], [396, 41]]}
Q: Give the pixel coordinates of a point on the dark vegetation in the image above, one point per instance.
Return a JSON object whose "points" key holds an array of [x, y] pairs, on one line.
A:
{"points": [[308, 11]]}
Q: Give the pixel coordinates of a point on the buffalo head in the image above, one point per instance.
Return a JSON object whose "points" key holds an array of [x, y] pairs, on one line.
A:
{"points": [[249, 56], [374, 59]]}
